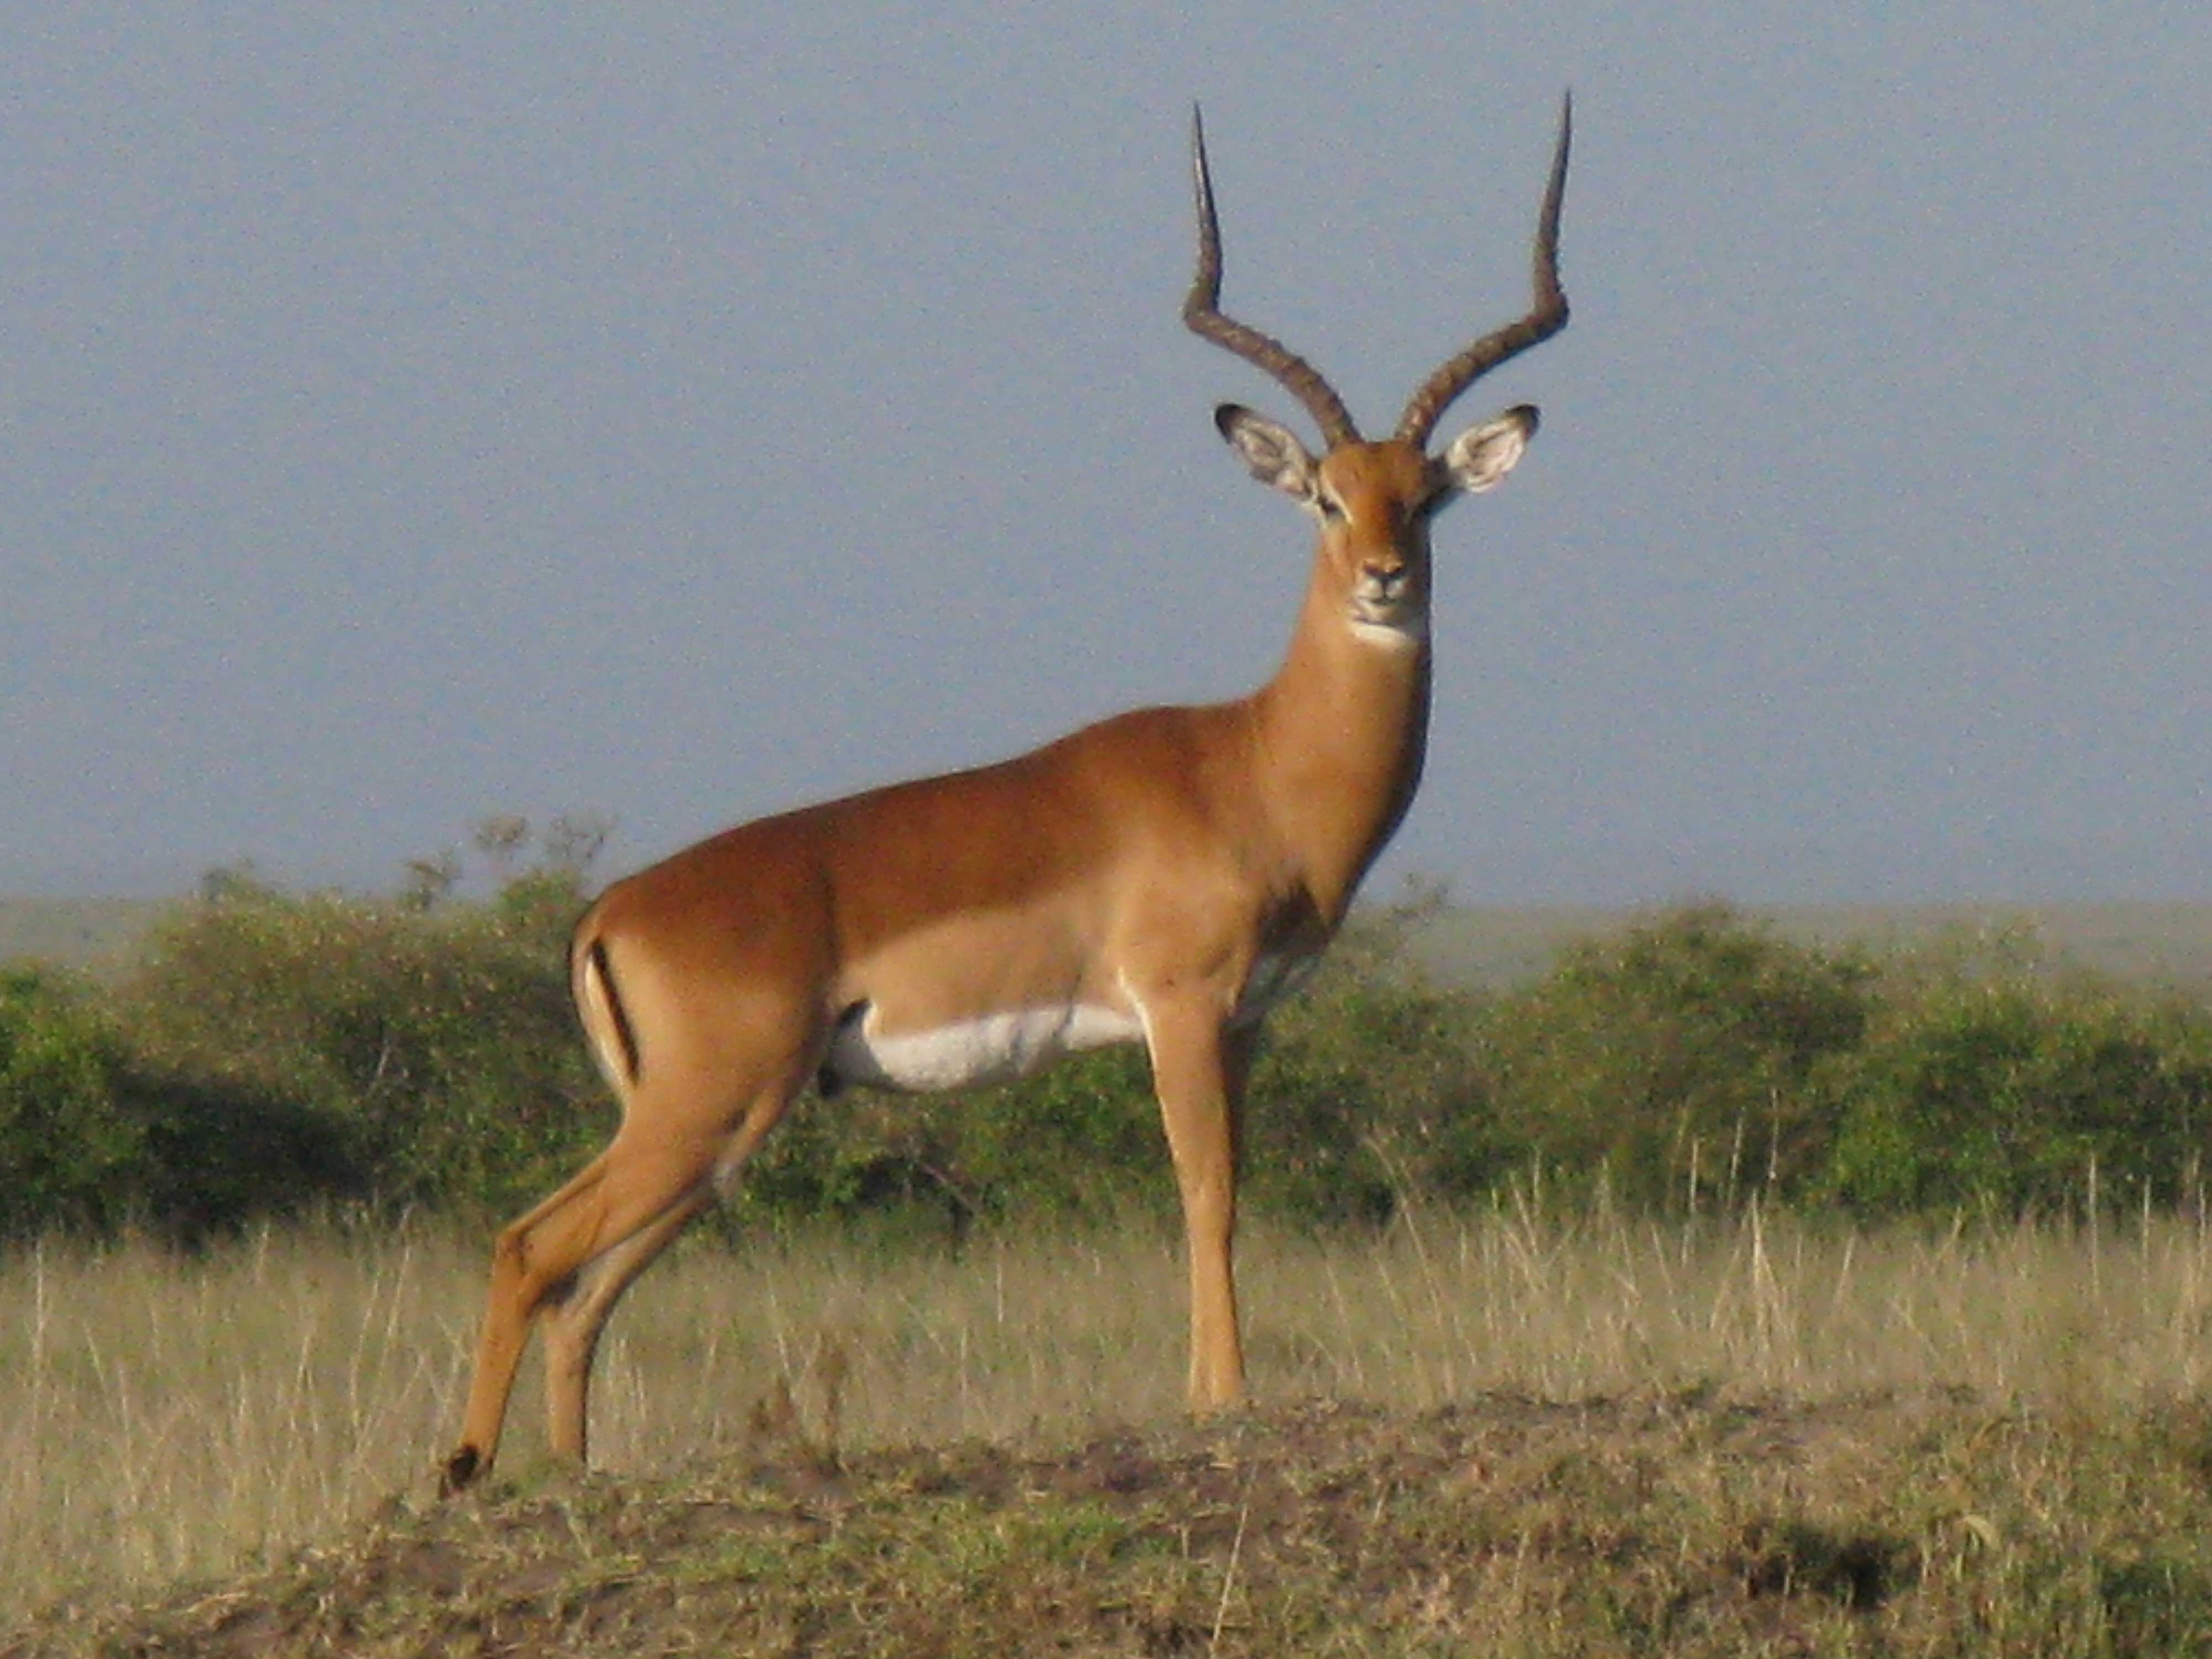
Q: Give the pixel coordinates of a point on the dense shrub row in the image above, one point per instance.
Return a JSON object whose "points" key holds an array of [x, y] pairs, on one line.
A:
{"points": [[275, 1052], [1698, 1058]]}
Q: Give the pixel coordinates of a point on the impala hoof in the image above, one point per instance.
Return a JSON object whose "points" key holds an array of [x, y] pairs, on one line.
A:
{"points": [[463, 1467]]}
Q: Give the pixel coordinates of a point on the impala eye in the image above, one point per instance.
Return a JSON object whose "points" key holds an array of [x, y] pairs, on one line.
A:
{"points": [[1331, 509]]}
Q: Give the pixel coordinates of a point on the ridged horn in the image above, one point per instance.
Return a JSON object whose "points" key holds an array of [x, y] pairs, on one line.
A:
{"points": [[1544, 319], [1201, 314]]}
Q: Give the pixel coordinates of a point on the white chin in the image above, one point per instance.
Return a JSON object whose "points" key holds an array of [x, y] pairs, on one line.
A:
{"points": [[1399, 631]]}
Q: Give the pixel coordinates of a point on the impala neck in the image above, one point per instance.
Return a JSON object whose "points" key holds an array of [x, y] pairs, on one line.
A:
{"points": [[1343, 727]]}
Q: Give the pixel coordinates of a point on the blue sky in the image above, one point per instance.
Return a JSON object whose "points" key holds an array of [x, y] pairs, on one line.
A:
{"points": [[412, 413]]}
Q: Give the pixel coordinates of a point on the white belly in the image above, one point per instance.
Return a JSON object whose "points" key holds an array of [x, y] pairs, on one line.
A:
{"points": [[992, 1048]]}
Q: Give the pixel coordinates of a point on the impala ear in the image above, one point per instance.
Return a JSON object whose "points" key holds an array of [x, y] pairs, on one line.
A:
{"points": [[1276, 458], [1480, 457]]}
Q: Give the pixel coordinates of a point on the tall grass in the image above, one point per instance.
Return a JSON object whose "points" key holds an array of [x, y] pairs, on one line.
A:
{"points": [[164, 1416]]}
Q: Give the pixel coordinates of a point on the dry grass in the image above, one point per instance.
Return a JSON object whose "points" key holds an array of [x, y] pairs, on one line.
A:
{"points": [[162, 1417]]}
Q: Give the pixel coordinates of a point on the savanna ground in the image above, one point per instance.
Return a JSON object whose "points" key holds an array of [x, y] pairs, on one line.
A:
{"points": [[1518, 1430], [1534, 1427]]}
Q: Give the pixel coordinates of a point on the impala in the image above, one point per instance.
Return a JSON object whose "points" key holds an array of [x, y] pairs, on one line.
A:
{"points": [[1163, 877]]}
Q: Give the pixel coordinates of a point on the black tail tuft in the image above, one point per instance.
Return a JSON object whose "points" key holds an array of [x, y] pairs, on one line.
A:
{"points": [[633, 1063]]}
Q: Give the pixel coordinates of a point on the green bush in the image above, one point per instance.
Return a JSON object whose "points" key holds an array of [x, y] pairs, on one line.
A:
{"points": [[432, 1047], [275, 1052], [70, 1157], [95, 1136], [2006, 1091], [1676, 1059], [1365, 1092], [1079, 1142]]}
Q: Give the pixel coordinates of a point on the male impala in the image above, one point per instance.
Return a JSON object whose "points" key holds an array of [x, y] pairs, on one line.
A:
{"points": [[1163, 877]]}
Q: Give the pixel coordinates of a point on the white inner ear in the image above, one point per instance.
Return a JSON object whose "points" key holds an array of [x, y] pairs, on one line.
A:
{"points": [[1275, 456], [1480, 457]]}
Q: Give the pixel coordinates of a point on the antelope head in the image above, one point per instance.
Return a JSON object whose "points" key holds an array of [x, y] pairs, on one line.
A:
{"points": [[1373, 500]]}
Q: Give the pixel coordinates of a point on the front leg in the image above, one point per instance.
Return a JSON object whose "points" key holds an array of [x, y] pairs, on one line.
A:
{"points": [[1199, 1070]]}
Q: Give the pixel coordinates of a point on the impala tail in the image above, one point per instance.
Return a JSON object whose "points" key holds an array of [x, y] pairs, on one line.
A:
{"points": [[607, 1026]]}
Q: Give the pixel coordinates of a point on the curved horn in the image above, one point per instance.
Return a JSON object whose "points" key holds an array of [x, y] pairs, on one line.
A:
{"points": [[1263, 351], [1544, 319]]}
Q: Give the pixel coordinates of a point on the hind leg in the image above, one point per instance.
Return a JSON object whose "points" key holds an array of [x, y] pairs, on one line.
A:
{"points": [[631, 1189], [521, 1282], [573, 1324], [572, 1257]]}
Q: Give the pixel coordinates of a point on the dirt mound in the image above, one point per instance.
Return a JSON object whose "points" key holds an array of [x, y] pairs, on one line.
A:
{"points": [[1670, 1524]]}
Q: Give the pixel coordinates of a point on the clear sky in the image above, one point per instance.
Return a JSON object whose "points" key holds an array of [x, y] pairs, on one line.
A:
{"points": [[413, 412]]}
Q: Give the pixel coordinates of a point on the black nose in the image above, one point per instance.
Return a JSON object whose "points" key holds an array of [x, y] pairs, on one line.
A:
{"points": [[1387, 580]]}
